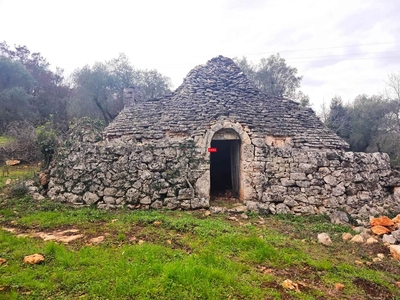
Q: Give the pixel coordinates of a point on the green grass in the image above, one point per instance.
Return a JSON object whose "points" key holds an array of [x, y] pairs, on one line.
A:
{"points": [[182, 255], [17, 173]]}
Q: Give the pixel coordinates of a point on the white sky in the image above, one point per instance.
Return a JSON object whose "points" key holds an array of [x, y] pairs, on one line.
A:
{"points": [[341, 47]]}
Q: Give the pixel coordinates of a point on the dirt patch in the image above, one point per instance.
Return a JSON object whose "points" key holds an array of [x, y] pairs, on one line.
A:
{"points": [[373, 290]]}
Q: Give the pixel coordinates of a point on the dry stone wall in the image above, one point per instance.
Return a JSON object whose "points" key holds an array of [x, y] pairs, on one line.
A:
{"points": [[172, 173], [307, 181], [115, 174]]}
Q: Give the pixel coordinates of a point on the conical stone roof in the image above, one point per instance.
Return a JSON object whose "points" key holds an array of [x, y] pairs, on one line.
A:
{"points": [[216, 91]]}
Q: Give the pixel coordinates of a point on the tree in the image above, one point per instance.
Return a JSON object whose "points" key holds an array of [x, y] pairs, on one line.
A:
{"points": [[47, 91], [274, 77], [16, 85], [368, 122], [99, 89], [338, 119]]}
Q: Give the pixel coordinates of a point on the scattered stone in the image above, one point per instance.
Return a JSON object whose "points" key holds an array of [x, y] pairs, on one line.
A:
{"points": [[12, 162], [97, 240], [358, 262], [376, 259], [169, 242], [157, 223], [65, 236], [357, 239], [207, 213], [37, 197], [358, 229], [140, 242], [395, 251], [396, 235], [366, 234], [396, 219], [33, 259], [381, 255], [381, 221], [239, 209], [380, 230], [232, 219], [218, 210], [290, 285], [8, 181], [388, 238], [2, 261], [323, 238], [346, 236], [244, 216], [371, 240], [339, 286]]}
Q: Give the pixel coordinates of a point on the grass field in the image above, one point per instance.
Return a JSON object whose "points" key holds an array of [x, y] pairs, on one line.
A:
{"points": [[183, 255]]}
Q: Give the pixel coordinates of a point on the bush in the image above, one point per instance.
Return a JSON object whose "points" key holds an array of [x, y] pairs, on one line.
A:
{"points": [[21, 143], [46, 139], [19, 189]]}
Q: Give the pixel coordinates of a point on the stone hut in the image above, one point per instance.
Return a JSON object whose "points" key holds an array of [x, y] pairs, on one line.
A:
{"points": [[217, 134]]}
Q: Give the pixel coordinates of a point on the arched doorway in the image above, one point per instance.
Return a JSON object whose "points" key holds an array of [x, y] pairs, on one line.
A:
{"points": [[225, 163]]}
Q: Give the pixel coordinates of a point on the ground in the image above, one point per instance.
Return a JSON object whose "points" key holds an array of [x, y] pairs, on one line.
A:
{"points": [[182, 255]]}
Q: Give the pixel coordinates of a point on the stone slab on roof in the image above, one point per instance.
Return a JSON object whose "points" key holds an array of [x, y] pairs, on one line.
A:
{"points": [[219, 90]]}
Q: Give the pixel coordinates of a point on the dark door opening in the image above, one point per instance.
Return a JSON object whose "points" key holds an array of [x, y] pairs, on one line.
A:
{"points": [[224, 168]]}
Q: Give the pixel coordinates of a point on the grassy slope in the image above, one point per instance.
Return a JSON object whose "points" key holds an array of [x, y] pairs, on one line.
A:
{"points": [[185, 256]]}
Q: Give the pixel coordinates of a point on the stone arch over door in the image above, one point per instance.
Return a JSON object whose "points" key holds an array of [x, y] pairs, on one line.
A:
{"points": [[246, 154]]}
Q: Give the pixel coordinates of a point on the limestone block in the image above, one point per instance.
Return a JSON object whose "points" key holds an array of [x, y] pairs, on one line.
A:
{"points": [[146, 157], [290, 202], [72, 198], [298, 176], [90, 198], [79, 188], [145, 200], [157, 204], [145, 175], [307, 168], [339, 217], [323, 238], [395, 251], [252, 206], [331, 202], [185, 194], [110, 191], [339, 190], [281, 208], [278, 189], [331, 180], [364, 196], [109, 200], [200, 203], [185, 204], [389, 238], [263, 208], [396, 235], [303, 184], [396, 194]]}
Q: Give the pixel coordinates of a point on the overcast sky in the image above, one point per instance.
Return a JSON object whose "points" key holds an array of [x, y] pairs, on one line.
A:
{"points": [[341, 47]]}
